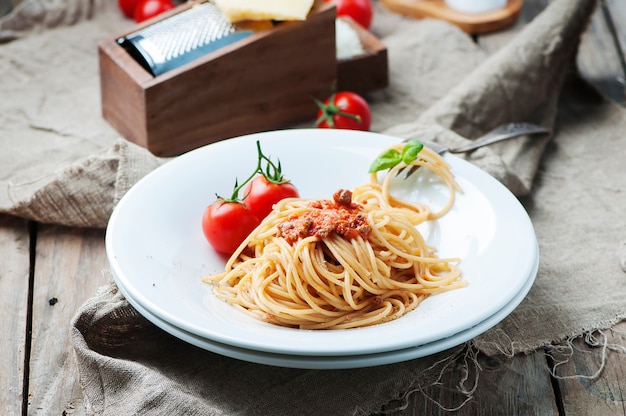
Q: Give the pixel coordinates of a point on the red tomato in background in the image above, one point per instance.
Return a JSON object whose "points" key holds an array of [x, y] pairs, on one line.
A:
{"points": [[226, 224], [260, 195], [361, 11], [147, 9], [128, 7], [344, 110]]}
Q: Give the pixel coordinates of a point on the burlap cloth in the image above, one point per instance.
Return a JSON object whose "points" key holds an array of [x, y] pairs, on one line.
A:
{"points": [[61, 163]]}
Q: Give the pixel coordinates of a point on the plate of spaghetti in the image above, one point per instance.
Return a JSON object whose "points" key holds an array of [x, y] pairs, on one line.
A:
{"points": [[362, 263]]}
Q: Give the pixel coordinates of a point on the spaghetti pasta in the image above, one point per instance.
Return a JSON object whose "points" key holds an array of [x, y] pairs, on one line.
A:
{"points": [[353, 261]]}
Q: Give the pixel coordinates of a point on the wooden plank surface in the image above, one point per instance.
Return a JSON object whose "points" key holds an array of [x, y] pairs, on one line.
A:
{"points": [[592, 373], [494, 386], [14, 283], [70, 265]]}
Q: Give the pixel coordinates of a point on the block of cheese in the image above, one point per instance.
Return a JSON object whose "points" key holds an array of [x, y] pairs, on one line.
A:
{"points": [[240, 10]]}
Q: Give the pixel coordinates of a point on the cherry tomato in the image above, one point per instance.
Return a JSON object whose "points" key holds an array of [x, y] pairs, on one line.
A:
{"points": [[226, 224], [147, 9], [128, 7], [361, 11], [260, 195], [344, 110]]}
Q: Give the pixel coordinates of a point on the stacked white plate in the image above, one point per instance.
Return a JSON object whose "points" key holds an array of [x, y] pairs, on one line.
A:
{"points": [[158, 254]]}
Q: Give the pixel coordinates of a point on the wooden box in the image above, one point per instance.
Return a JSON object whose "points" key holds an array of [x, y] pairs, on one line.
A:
{"points": [[265, 81]]}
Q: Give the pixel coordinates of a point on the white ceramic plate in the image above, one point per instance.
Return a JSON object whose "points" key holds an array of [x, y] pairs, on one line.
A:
{"points": [[342, 361], [158, 254]]}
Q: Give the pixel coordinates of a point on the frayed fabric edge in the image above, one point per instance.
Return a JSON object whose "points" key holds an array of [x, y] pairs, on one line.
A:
{"points": [[497, 342], [466, 361], [563, 353], [463, 360]]}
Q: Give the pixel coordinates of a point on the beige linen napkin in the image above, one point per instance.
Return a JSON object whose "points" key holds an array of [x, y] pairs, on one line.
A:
{"points": [[443, 88], [31, 16]]}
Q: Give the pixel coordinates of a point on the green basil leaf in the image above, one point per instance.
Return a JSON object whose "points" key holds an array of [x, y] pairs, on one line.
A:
{"points": [[411, 150], [387, 160]]}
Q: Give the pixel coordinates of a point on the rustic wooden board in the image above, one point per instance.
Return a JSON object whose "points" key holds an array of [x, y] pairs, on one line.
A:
{"points": [[519, 386], [583, 394], [70, 265], [14, 282]]}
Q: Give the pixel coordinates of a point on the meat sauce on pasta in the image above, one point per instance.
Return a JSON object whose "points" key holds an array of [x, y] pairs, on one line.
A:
{"points": [[355, 260]]}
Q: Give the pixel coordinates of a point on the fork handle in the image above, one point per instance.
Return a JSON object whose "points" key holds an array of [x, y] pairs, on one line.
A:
{"points": [[500, 134]]}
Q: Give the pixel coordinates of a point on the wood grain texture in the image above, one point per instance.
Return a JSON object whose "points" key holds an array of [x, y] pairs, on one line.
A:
{"points": [[70, 265], [266, 82], [14, 282], [123, 97], [593, 373], [503, 386]]}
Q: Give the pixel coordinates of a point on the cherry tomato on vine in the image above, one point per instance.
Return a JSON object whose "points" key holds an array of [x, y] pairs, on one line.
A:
{"points": [[147, 9], [228, 221], [344, 110], [260, 195], [226, 224], [128, 7], [361, 11]]}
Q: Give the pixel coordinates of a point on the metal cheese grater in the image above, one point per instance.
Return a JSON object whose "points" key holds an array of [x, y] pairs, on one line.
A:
{"points": [[181, 38]]}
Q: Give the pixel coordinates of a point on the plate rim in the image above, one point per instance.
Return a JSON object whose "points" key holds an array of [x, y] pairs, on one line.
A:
{"points": [[324, 362], [282, 348]]}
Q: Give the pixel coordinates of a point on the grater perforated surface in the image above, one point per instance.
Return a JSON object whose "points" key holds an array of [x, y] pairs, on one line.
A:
{"points": [[181, 38]]}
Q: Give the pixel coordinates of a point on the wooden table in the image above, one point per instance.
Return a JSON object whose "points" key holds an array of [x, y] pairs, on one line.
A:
{"points": [[49, 271]]}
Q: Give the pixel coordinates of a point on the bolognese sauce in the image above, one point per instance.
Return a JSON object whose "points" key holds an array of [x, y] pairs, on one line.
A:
{"points": [[341, 216]]}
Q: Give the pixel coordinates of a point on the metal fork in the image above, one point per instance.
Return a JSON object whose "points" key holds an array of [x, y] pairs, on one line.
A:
{"points": [[504, 132]]}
